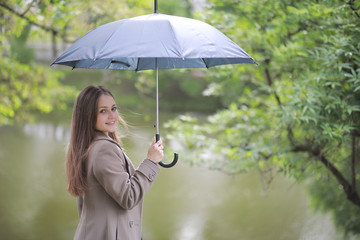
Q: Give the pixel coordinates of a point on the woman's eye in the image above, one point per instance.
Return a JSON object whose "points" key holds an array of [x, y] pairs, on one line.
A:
{"points": [[114, 109], [102, 111]]}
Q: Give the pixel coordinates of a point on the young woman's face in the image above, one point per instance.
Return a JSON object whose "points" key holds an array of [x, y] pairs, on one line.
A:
{"points": [[107, 114]]}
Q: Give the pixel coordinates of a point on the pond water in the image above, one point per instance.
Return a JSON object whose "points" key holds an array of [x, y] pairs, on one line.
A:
{"points": [[185, 203]]}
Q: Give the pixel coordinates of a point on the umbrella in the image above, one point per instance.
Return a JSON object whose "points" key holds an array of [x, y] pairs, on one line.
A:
{"points": [[153, 41]]}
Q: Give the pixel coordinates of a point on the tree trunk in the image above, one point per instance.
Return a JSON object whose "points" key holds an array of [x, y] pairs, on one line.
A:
{"points": [[53, 45]]}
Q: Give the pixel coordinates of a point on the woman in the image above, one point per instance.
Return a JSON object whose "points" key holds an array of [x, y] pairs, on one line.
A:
{"points": [[109, 189]]}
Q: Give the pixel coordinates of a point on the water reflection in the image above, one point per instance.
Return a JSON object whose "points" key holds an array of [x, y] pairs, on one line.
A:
{"points": [[32, 202], [185, 203], [47, 131], [192, 227]]}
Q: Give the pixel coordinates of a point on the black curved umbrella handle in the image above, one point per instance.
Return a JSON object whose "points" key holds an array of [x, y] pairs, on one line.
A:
{"points": [[176, 156]]}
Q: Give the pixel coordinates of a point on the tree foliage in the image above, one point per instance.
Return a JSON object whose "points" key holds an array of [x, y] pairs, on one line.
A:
{"points": [[26, 87], [298, 111]]}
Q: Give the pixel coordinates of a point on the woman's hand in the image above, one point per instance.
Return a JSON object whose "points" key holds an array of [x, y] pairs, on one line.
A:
{"points": [[156, 151]]}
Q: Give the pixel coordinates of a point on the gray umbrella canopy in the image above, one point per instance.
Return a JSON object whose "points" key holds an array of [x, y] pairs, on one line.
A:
{"points": [[154, 41], [135, 44]]}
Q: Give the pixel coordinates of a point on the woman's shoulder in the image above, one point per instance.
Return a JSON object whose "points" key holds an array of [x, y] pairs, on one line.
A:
{"points": [[104, 144], [105, 154]]}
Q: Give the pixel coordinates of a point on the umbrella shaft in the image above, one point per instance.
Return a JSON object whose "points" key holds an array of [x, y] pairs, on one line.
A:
{"points": [[157, 97], [155, 6]]}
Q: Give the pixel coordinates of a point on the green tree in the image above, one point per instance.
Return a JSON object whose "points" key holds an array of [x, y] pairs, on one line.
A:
{"points": [[298, 111], [26, 87]]}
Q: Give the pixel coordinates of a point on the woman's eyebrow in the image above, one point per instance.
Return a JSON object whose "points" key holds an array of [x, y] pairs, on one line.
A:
{"points": [[114, 105]]}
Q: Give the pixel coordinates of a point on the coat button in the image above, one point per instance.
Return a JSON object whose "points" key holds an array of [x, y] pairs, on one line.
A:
{"points": [[131, 224], [151, 176]]}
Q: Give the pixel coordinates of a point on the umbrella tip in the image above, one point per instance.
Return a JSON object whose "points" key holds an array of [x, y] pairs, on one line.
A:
{"points": [[155, 6]]}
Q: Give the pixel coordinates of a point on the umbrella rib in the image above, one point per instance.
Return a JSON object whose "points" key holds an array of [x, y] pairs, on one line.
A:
{"points": [[176, 39], [107, 40], [137, 64], [204, 62]]}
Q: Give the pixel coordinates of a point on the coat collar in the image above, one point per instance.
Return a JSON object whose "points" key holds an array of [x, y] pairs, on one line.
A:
{"points": [[100, 135]]}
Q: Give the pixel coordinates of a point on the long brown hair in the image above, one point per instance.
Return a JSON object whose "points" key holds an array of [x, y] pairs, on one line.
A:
{"points": [[82, 134]]}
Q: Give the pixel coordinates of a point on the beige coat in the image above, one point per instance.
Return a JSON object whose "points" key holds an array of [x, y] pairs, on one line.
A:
{"points": [[111, 209]]}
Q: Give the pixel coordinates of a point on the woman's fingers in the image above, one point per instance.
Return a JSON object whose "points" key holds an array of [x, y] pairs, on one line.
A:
{"points": [[156, 151], [158, 143]]}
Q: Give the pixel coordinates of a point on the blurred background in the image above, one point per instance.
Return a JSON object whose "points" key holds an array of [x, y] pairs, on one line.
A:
{"points": [[266, 152]]}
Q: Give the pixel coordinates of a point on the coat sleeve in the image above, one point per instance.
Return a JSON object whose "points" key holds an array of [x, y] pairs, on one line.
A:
{"points": [[109, 168]]}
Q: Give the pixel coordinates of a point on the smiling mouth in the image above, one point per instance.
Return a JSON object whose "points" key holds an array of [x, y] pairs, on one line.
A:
{"points": [[110, 123]]}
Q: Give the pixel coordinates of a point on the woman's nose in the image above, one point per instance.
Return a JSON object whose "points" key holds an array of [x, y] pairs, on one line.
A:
{"points": [[112, 115]]}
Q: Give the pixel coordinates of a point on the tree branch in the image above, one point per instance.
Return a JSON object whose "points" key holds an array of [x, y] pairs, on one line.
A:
{"points": [[22, 15], [351, 4], [351, 193], [270, 81], [27, 9], [353, 162]]}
